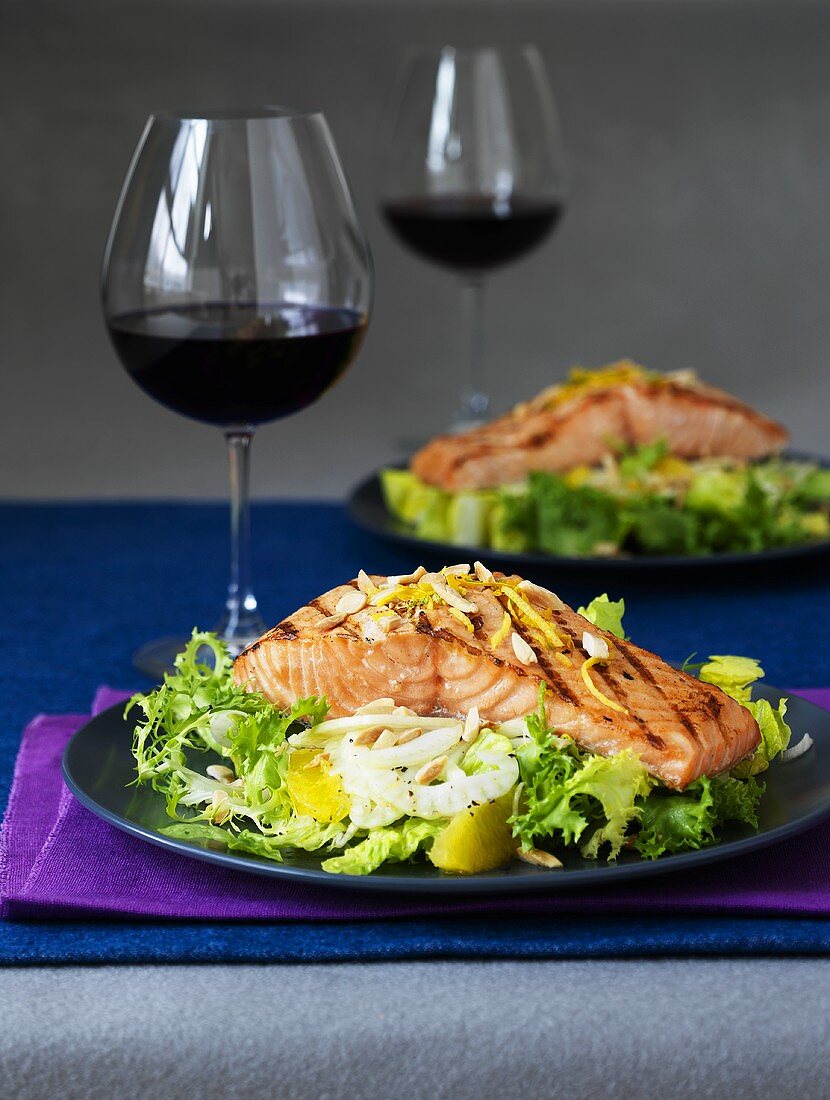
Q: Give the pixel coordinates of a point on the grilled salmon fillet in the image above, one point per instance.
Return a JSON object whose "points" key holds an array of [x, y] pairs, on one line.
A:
{"points": [[585, 420], [396, 640]]}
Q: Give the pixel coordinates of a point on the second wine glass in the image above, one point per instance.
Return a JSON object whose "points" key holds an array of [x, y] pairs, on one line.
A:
{"points": [[237, 284], [472, 173]]}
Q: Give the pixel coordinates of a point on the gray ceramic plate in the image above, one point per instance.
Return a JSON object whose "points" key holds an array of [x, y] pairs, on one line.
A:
{"points": [[98, 767], [367, 510]]}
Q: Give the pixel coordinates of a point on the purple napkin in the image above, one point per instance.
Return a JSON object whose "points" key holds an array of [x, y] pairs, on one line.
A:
{"points": [[59, 860]]}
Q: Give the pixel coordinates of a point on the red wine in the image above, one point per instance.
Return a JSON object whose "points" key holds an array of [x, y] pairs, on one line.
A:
{"points": [[470, 232], [237, 364]]}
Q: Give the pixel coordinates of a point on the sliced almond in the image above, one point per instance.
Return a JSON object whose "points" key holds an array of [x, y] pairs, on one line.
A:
{"points": [[377, 706], [220, 773], [365, 583], [408, 735], [538, 858], [407, 578], [472, 725], [351, 602], [449, 595], [369, 736], [431, 770], [594, 646], [456, 570], [404, 712], [221, 811], [523, 651], [550, 599], [240, 783], [318, 760], [329, 622], [386, 740], [484, 574]]}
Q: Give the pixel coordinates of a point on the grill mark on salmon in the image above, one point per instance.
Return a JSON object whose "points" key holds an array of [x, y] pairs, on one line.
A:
{"points": [[646, 674], [679, 727]]}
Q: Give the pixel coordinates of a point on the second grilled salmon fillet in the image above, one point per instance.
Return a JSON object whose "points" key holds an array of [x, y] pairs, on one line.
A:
{"points": [[580, 423], [430, 659]]}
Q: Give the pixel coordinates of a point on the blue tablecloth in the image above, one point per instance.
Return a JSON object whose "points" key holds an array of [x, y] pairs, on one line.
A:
{"points": [[85, 584]]}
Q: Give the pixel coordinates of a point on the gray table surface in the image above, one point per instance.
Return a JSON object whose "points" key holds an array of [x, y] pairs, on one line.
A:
{"points": [[750, 1028]]}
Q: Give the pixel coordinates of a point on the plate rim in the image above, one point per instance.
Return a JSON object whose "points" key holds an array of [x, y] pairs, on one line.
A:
{"points": [[453, 885], [367, 494]]}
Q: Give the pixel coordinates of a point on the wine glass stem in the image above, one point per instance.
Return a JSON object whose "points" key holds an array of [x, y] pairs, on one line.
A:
{"points": [[475, 401], [241, 623]]}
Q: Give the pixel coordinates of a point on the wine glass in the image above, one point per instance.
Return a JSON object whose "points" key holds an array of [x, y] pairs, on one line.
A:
{"points": [[237, 284], [472, 173]]}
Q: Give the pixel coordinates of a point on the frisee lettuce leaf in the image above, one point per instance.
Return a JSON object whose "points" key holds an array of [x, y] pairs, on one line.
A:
{"points": [[568, 793], [775, 736], [301, 832], [199, 708], [393, 844], [605, 613], [735, 676], [676, 821]]}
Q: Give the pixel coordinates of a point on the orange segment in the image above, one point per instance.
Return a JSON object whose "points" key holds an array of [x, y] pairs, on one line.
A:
{"points": [[314, 791], [476, 840]]}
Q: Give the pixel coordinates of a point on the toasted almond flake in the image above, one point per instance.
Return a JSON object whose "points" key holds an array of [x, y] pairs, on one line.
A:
{"points": [[318, 761], [550, 599], [594, 646], [407, 578], [368, 736], [220, 773], [456, 570], [386, 740], [365, 583], [404, 712], [431, 770], [449, 595], [522, 650], [538, 858], [484, 574], [221, 811], [329, 622], [409, 735], [472, 724], [351, 602], [377, 706]]}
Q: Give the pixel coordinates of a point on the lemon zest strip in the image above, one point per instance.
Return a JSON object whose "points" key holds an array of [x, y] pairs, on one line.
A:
{"points": [[502, 631], [462, 618], [533, 618], [587, 665]]}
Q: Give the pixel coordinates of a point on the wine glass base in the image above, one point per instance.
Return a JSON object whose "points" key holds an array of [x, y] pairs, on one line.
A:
{"points": [[473, 411], [157, 657]]}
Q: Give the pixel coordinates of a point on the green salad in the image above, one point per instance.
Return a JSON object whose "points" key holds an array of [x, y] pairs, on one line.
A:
{"points": [[643, 501], [385, 785]]}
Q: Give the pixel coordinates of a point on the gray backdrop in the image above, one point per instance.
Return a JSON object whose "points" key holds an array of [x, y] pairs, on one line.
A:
{"points": [[698, 233]]}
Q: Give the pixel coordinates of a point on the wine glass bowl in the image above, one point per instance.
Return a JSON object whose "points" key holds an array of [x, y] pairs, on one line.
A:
{"points": [[472, 171], [237, 284]]}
